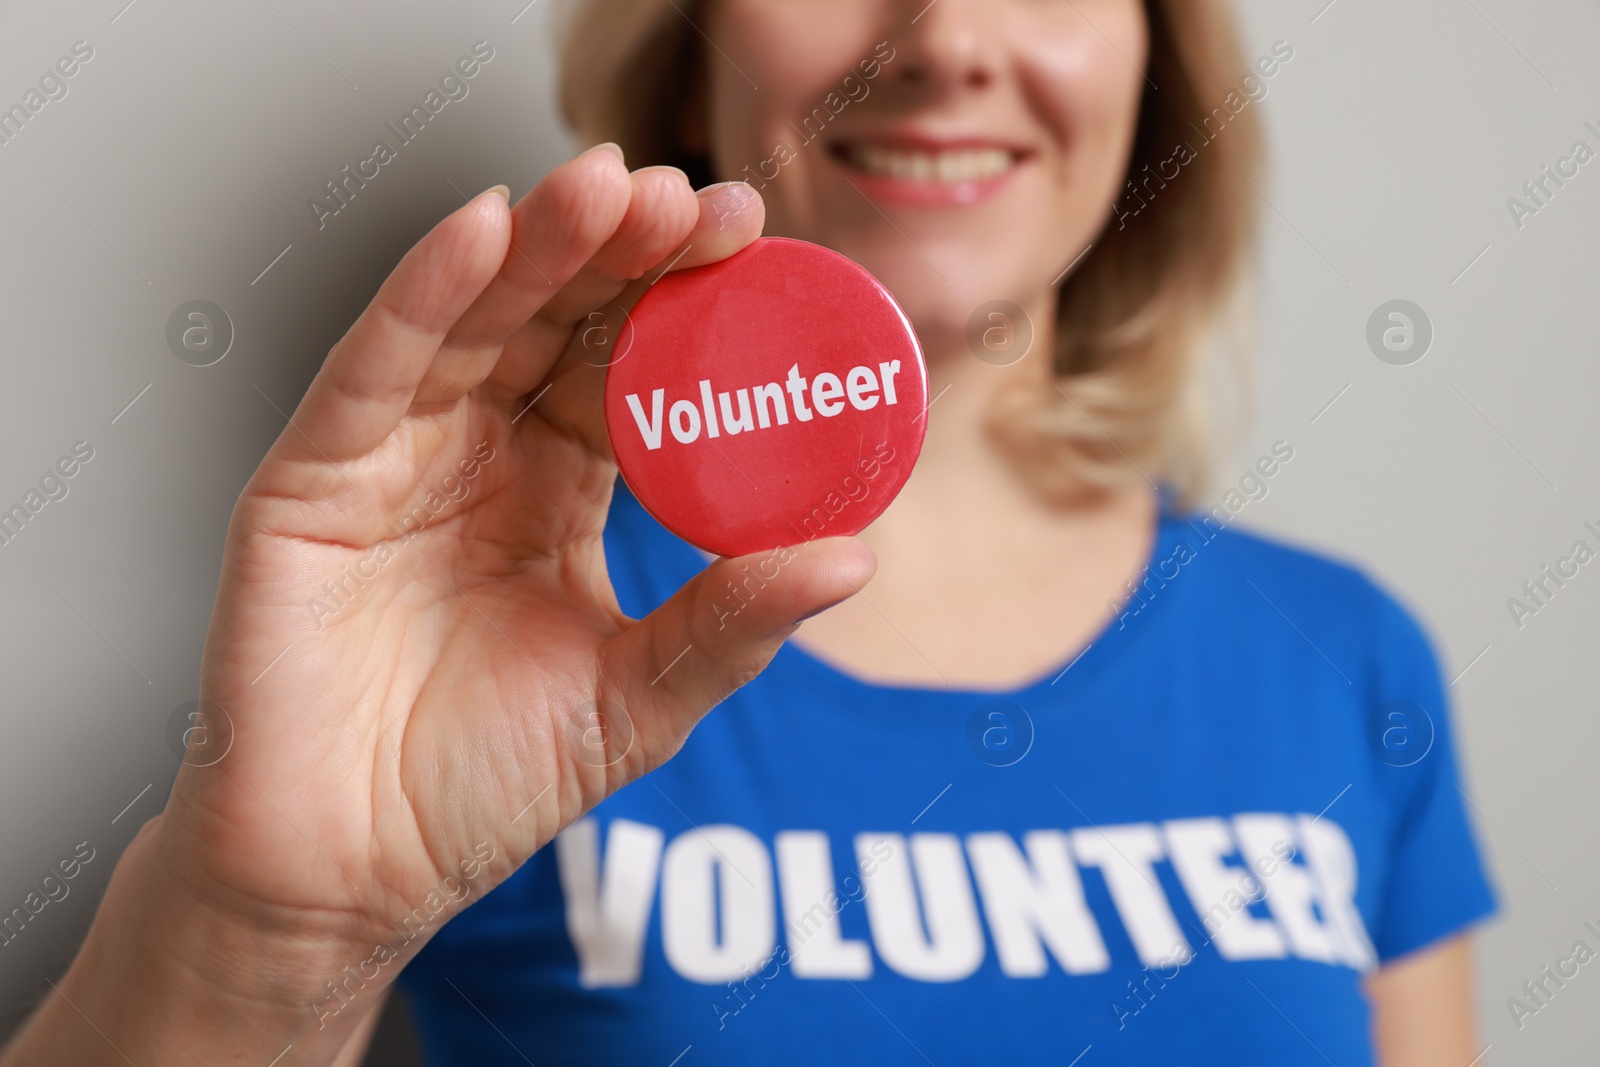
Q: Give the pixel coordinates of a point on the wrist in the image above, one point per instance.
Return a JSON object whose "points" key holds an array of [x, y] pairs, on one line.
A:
{"points": [[167, 976]]}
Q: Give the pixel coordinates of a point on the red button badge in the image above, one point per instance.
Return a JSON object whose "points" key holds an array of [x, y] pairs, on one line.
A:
{"points": [[772, 398]]}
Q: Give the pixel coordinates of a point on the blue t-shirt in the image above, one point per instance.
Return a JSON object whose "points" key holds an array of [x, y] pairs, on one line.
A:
{"points": [[1184, 845]]}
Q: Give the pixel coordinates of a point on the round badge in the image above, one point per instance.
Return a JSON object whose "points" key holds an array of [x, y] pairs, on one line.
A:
{"points": [[769, 399]]}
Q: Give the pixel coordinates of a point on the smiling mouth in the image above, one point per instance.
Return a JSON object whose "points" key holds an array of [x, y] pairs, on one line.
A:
{"points": [[957, 165]]}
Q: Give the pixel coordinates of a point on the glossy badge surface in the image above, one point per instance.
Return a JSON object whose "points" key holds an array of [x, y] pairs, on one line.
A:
{"points": [[772, 398]]}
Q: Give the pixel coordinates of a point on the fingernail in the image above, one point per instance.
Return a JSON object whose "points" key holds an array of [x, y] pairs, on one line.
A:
{"points": [[503, 190], [664, 168], [743, 191], [612, 146]]}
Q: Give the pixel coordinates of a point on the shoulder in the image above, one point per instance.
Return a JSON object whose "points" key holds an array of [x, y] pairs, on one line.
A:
{"points": [[1313, 575], [1320, 595], [1242, 551]]}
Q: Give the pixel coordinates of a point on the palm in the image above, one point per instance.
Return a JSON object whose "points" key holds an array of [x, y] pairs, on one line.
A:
{"points": [[416, 642]]}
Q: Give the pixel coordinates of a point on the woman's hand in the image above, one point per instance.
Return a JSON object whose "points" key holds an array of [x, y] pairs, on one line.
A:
{"points": [[415, 642]]}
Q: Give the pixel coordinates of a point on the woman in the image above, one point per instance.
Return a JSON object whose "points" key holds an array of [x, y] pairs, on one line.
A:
{"points": [[967, 816]]}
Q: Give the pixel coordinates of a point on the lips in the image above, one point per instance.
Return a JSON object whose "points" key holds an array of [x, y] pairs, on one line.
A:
{"points": [[928, 172]]}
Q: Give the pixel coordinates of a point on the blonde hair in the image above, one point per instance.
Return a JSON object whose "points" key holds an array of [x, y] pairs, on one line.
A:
{"points": [[1127, 400]]}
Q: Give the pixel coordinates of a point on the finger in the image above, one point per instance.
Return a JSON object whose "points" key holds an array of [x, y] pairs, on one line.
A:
{"points": [[732, 214], [719, 631], [732, 211], [730, 217], [661, 212], [556, 231], [668, 211], [366, 384]]}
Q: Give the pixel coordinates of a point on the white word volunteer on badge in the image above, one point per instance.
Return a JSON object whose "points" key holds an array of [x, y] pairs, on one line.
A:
{"points": [[862, 387]]}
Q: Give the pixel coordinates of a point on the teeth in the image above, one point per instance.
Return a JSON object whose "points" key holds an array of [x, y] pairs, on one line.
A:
{"points": [[954, 165]]}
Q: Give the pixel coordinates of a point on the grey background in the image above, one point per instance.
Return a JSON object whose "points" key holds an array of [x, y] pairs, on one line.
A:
{"points": [[178, 168]]}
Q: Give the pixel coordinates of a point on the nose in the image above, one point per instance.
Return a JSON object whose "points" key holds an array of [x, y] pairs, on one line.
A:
{"points": [[946, 45]]}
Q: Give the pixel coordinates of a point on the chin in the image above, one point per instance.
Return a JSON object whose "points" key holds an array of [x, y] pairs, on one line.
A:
{"points": [[938, 294], [941, 318], [941, 311]]}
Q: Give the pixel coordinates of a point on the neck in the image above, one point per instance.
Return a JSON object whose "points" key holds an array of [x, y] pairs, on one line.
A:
{"points": [[983, 582], [963, 480]]}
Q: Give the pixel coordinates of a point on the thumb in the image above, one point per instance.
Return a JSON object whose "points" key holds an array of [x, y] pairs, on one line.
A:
{"points": [[721, 630]]}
